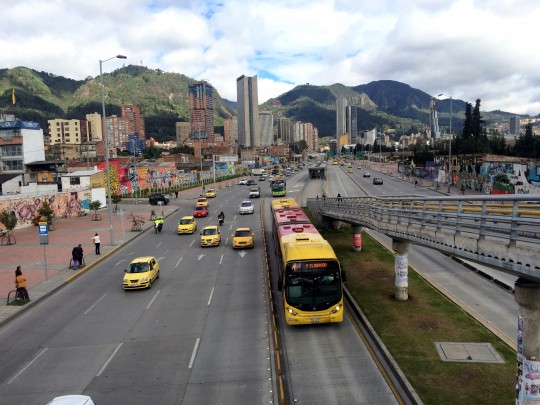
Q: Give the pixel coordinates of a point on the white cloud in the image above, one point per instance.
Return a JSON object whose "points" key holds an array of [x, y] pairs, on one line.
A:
{"points": [[468, 48]]}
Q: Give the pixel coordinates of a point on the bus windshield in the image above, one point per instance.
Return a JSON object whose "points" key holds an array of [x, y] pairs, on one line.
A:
{"points": [[312, 283]]}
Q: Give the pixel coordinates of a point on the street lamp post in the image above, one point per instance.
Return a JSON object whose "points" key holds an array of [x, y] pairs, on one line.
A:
{"points": [[105, 135], [450, 179]]}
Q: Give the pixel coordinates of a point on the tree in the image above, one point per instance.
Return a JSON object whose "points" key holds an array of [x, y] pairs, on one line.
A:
{"points": [[9, 220], [526, 145], [467, 124], [116, 199], [95, 206], [46, 211], [477, 121], [151, 152]]}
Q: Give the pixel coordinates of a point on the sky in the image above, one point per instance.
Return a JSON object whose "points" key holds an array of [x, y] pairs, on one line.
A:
{"points": [[466, 49]]}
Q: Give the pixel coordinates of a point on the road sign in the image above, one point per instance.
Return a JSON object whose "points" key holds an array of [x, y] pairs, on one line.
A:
{"points": [[43, 229]]}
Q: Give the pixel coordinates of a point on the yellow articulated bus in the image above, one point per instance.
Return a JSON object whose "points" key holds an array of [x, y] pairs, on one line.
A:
{"points": [[284, 202], [310, 276]]}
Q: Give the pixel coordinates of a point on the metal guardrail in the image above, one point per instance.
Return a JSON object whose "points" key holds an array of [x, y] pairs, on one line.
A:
{"points": [[501, 231]]}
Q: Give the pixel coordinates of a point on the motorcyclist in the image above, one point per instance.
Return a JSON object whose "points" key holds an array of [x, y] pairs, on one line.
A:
{"points": [[221, 218], [158, 224]]}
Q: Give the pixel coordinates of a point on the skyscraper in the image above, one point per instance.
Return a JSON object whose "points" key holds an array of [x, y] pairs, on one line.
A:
{"points": [[248, 111], [284, 130], [133, 119], [341, 117], [267, 128], [201, 111], [352, 123]]}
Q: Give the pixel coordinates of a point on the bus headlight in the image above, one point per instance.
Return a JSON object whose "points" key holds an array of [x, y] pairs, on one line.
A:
{"points": [[292, 312], [336, 309]]}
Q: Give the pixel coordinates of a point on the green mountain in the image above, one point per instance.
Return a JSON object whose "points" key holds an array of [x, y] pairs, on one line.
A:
{"points": [[162, 97], [163, 100]]}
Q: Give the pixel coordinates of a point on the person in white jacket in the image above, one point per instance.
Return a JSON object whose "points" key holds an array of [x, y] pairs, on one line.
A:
{"points": [[97, 243]]}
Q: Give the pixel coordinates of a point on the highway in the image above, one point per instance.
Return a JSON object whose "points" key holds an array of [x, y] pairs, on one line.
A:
{"points": [[202, 333], [198, 336], [487, 301]]}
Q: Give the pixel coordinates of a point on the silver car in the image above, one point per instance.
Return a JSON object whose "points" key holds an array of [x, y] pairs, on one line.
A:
{"points": [[246, 207]]}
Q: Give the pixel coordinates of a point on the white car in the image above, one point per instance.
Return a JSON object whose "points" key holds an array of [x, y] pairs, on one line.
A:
{"points": [[246, 207], [243, 182]]}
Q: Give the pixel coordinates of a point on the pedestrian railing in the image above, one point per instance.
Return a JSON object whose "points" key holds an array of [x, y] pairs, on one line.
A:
{"points": [[502, 231]]}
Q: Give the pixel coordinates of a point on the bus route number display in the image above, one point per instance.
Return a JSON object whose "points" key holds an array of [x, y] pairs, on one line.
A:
{"points": [[310, 266]]}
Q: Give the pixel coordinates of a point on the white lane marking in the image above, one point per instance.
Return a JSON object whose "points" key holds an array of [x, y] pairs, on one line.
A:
{"points": [[89, 309], [194, 353], [221, 260], [192, 242], [158, 244], [227, 241], [242, 253], [342, 187], [28, 365], [153, 299], [160, 258], [109, 359], [130, 253], [200, 257], [120, 261], [211, 295], [178, 262]]}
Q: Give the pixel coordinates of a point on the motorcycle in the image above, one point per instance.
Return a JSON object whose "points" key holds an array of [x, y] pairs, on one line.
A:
{"points": [[221, 220], [158, 227]]}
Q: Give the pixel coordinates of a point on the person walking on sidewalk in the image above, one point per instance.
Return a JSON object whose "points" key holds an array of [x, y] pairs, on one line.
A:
{"points": [[20, 284], [97, 243]]}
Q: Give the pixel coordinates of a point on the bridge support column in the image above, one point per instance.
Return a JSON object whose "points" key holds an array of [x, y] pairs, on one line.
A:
{"points": [[527, 295], [357, 238], [401, 268]]}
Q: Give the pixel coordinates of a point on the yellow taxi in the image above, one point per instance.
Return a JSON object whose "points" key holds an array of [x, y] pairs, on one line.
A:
{"points": [[202, 202], [350, 170], [187, 224], [210, 236], [141, 273], [210, 193], [243, 238]]}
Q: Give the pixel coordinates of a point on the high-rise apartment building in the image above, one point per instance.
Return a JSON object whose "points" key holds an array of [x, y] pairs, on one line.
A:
{"points": [[115, 128], [201, 111], [341, 120], [248, 111], [70, 132], [284, 130], [352, 123], [266, 120], [513, 126], [133, 120], [183, 130], [95, 127]]}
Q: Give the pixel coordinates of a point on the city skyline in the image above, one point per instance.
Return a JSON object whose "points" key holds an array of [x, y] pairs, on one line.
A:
{"points": [[464, 48]]}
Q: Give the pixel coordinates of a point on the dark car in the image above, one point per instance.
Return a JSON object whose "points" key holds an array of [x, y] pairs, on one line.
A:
{"points": [[251, 182], [154, 199], [377, 180], [367, 174]]}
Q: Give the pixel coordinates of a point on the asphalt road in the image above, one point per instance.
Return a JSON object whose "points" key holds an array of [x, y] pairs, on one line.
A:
{"points": [[328, 363], [199, 335], [486, 300]]}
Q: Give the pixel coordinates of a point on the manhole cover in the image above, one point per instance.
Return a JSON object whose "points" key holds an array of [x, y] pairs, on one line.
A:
{"points": [[468, 352]]}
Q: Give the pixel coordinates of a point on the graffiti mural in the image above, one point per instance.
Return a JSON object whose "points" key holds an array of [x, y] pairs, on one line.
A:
{"points": [[63, 205]]}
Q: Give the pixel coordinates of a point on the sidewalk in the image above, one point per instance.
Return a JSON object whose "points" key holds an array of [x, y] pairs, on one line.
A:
{"points": [[46, 267]]}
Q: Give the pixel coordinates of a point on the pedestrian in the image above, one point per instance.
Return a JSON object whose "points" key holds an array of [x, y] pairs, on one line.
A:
{"points": [[176, 194], [462, 188], [415, 182], [75, 258], [97, 242], [339, 197], [20, 284]]}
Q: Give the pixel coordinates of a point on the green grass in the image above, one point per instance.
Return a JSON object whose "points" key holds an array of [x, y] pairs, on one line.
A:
{"points": [[409, 329]]}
